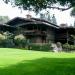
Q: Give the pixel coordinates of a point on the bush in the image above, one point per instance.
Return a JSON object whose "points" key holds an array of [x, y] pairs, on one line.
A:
{"points": [[8, 43], [20, 37], [68, 47], [20, 41], [7, 40], [45, 47], [2, 38], [35, 47], [72, 47], [8, 35]]}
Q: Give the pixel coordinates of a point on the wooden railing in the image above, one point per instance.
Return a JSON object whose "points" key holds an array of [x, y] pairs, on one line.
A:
{"points": [[34, 32]]}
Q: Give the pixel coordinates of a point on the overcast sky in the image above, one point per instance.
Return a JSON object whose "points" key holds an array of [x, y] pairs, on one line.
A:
{"points": [[62, 17]]}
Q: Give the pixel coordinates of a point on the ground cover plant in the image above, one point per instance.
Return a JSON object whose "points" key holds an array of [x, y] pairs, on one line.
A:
{"points": [[27, 62]]}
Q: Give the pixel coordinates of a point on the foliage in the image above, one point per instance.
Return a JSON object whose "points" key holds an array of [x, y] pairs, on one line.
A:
{"points": [[3, 19], [38, 47], [73, 36], [40, 4], [8, 43], [8, 35], [35, 47], [46, 47], [20, 36], [2, 38], [73, 12], [20, 40], [6, 40], [68, 47]]}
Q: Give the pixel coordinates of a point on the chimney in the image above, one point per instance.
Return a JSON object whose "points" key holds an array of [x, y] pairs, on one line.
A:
{"points": [[28, 16]]}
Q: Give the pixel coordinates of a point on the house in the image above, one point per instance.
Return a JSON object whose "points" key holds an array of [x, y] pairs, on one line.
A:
{"points": [[63, 35], [39, 31]]}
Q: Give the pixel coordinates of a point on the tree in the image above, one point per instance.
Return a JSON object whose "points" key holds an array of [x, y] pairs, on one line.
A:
{"points": [[45, 16], [74, 24], [48, 17], [73, 12], [37, 5], [73, 36], [54, 19], [3, 19], [42, 16]]}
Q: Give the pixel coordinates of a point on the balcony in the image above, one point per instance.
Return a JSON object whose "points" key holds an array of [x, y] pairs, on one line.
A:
{"points": [[35, 32]]}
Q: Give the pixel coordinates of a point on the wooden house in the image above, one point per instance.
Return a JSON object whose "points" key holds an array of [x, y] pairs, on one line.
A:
{"points": [[63, 35], [37, 30]]}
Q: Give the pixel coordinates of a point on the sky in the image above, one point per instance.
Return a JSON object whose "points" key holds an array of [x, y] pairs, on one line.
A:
{"points": [[62, 17]]}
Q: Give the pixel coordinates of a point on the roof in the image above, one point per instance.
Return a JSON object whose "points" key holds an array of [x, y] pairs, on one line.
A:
{"points": [[19, 21], [6, 25], [42, 20]]}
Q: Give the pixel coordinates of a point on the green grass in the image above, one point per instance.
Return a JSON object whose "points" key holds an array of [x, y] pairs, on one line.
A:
{"points": [[24, 62]]}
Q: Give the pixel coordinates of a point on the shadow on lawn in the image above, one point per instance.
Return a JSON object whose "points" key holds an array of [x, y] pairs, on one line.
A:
{"points": [[43, 66]]}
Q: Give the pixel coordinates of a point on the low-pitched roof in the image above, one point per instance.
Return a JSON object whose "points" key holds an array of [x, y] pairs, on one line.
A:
{"points": [[18, 21]]}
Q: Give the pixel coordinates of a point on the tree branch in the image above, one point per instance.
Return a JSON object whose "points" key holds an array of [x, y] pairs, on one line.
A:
{"points": [[63, 9]]}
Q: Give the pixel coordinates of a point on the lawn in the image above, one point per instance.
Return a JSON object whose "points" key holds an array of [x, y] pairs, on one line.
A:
{"points": [[24, 62]]}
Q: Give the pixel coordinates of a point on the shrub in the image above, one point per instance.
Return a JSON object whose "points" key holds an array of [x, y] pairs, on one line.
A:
{"points": [[6, 39], [72, 47], [2, 38], [46, 47], [20, 37], [68, 47], [8, 35], [35, 47], [38, 47], [20, 41], [8, 43]]}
